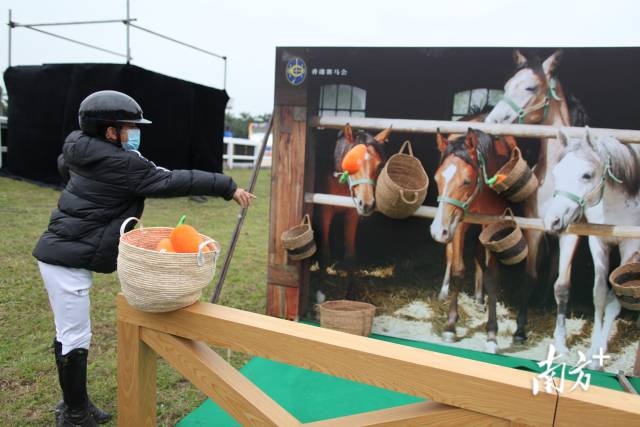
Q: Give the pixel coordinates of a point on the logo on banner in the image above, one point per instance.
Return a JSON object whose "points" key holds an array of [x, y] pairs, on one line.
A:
{"points": [[296, 71]]}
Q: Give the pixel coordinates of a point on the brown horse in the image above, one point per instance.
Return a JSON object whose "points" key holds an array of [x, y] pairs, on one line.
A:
{"points": [[461, 189], [360, 187], [534, 95]]}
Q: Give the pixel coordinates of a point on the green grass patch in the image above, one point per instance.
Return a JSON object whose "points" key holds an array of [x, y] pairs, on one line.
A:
{"points": [[28, 380]]}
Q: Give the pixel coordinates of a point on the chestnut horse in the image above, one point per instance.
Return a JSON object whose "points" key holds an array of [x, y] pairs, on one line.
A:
{"points": [[534, 95], [465, 160], [359, 186]]}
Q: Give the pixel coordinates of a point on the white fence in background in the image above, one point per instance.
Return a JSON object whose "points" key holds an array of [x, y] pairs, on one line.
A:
{"points": [[249, 156], [4, 123]]}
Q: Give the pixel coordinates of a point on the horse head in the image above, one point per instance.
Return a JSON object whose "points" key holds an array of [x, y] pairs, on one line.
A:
{"points": [[581, 175], [362, 183], [459, 181], [528, 93]]}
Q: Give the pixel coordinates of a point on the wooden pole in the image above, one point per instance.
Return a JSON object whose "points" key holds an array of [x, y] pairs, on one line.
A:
{"points": [[432, 126], [136, 378], [583, 229]]}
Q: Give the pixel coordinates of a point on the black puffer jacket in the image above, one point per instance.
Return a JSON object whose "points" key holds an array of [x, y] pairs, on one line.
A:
{"points": [[107, 185]]}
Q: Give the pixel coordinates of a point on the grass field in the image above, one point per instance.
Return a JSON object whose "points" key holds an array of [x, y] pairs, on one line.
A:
{"points": [[28, 380]]}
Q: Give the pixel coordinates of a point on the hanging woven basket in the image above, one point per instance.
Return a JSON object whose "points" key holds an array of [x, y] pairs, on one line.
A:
{"points": [[519, 180], [625, 281], [298, 241], [505, 239], [402, 185], [162, 281], [353, 317]]}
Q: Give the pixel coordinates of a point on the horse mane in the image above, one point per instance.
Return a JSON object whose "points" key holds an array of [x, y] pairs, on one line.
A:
{"points": [[625, 162], [625, 159], [458, 148]]}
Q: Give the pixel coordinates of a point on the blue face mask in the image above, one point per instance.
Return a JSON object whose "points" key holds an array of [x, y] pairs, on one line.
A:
{"points": [[133, 140]]}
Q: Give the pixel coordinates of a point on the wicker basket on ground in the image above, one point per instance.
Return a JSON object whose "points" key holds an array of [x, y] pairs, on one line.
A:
{"points": [[353, 317], [625, 281], [159, 281], [402, 185], [298, 241], [505, 239]]}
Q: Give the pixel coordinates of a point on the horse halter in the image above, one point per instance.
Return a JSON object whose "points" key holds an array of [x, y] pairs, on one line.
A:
{"points": [[522, 112], [482, 175], [582, 201]]}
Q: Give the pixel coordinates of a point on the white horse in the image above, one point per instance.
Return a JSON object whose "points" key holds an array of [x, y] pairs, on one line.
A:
{"points": [[599, 180], [533, 95]]}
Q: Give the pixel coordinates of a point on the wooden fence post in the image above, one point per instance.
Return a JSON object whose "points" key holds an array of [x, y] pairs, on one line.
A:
{"points": [[136, 378]]}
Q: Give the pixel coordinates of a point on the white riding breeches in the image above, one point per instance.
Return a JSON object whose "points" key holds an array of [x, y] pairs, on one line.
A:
{"points": [[68, 290]]}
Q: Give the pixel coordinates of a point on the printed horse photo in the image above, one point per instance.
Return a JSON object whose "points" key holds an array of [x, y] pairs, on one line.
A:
{"points": [[465, 160], [600, 181], [360, 186], [534, 95]]}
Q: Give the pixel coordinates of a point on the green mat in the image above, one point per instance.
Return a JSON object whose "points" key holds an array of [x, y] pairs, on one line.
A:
{"points": [[311, 396]]}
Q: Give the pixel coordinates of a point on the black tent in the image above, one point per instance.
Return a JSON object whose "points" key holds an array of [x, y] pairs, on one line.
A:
{"points": [[188, 118]]}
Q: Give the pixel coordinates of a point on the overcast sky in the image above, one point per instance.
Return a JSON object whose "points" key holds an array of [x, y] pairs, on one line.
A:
{"points": [[247, 32]]}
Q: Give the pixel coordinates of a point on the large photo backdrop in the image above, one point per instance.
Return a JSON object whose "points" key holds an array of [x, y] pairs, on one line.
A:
{"points": [[421, 289]]}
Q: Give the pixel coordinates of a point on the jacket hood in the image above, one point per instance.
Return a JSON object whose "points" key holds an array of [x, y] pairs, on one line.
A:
{"points": [[81, 149]]}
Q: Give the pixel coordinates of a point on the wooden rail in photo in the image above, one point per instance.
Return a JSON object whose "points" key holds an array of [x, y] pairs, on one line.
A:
{"points": [[460, 391], [498, 129], [582, 229]]}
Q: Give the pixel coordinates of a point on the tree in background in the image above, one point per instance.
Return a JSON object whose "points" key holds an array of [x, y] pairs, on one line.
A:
{"points": [[239, 125]]}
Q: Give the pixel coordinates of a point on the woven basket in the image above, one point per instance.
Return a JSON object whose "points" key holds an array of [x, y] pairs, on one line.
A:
{"points": [[353, 317], [520, 180], [159, 281], [298, 241], [402, 185], [625, 281], [505, 239]]}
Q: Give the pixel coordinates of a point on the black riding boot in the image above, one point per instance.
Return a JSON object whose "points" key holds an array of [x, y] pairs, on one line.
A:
{"points": [[100, 416]]}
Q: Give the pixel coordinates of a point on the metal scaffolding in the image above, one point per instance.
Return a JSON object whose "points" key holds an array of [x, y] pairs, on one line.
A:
{"points": [[128, 22]]}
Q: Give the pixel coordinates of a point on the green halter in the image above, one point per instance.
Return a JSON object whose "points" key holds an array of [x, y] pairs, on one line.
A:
{"points": [[482, 175], [582, 201], [522, 112]]}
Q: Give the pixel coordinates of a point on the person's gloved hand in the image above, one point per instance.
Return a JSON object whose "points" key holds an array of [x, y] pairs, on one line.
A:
{"points": [[243, 197]]}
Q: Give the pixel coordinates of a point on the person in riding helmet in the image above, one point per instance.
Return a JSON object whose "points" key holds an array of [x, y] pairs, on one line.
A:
{"points": [[107, 181]]}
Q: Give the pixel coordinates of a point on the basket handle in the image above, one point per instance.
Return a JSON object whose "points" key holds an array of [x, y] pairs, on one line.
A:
{"points": [[306, 220], [415, 197], [516, 152], [201, 246], [406, 144], [126, 222], [504, 214]]}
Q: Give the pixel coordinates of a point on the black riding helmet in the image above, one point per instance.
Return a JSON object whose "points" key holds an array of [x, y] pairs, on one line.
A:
{"points": [[108, 108]]}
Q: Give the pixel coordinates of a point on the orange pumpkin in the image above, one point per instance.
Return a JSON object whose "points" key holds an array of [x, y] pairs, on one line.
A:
{"points": [[165, 245], [352, 161], [185, 239]]}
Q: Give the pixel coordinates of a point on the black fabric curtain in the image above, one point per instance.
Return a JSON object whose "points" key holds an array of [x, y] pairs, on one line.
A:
{"points": [[188, 119]]}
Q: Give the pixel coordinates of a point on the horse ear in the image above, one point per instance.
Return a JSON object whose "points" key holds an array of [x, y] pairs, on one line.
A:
{"points": [[383, 136], [551, 63], [519, 58], [348, 133], [471, 140], [562, 137], [589, 138], [442, 141]]}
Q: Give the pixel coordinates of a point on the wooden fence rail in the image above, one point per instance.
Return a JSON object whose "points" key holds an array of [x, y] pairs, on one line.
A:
{"points": [[432, 126], [460, 391], [582, 229]]}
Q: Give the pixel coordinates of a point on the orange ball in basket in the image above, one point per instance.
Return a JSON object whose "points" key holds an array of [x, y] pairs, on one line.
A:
{"points": [[353, 159], [165, 245], [185, 238]]}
